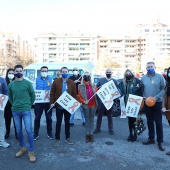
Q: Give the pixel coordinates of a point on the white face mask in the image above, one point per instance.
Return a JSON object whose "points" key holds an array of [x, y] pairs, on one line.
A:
{"points": [[10, 76], [165, 73], [75, 72], [44, 74]]}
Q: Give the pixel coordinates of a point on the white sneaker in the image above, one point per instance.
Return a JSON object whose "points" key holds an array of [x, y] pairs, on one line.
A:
{"points": [[4, 144]]}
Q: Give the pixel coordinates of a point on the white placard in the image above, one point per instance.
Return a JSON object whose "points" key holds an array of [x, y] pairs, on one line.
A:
{"points": [[90, 65], [113, 89], [105, 96], [122, 106], [42, 96], [133, 105], [3, 101], [68, 102]]}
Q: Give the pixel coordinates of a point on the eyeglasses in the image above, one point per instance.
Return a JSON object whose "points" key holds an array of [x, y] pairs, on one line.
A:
{"points": [[75, 70], [10, 73], [44, 71]]}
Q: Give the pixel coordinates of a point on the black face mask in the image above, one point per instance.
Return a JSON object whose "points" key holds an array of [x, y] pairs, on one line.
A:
{"points": [[86, 78], [108, 75], [128, 77], [18, 75]]}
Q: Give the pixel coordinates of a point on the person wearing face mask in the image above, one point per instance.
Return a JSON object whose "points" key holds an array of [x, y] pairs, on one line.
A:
{"points": [[154, 85], [59, 86], [77, 79], [166, 99], [165, 73], [7, 111], [85, 92], [22, 97], [43, 82], [101, 108], [130, 85]]}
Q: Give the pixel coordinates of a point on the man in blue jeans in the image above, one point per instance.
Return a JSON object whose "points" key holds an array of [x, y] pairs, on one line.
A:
{"points": [[22, 96], [77, 80], [154, 85], [43, 82]]}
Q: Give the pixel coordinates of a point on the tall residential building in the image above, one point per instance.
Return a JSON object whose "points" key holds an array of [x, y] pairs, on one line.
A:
{"points": [[157, 46], [51, 47], [126, 51]]}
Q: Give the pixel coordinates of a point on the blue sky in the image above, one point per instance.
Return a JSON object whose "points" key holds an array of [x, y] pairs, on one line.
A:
{"points": [[28, 17]]}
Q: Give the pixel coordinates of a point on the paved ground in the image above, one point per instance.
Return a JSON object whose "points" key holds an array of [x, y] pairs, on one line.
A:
{"points": [[107, 152]]}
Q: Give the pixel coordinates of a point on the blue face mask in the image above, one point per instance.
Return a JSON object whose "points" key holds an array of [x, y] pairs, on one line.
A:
{"points": [[151, 70], [64, 75], [18, 75], [168, 74]]}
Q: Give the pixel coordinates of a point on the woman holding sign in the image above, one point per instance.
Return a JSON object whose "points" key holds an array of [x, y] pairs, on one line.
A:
{"points": [[86, 96], [130, 85]]}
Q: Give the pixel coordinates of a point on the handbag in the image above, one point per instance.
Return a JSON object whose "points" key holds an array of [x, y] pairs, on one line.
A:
{"points": [[139, 126]]}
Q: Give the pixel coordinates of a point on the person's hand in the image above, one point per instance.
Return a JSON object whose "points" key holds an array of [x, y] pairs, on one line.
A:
{"points": [[163, 109], [75, 81], [86, 102], [52, 105]]}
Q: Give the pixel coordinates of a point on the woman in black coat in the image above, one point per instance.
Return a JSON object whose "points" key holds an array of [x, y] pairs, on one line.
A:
{"points": [[7, 111]]}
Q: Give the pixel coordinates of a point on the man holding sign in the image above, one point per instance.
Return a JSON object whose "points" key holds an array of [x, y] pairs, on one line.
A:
{"points": [[59, 86], [43, 83], [101, 108]]}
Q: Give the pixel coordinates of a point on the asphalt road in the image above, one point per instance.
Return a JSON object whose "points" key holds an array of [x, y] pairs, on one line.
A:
{"points": [[111, 152]]}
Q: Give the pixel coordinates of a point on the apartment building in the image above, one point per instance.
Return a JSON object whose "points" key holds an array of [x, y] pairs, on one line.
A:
{"points": [[53, 47], [126, 51], [157, 44], [13, 50]]}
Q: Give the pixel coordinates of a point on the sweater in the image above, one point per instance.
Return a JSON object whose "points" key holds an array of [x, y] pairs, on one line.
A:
{"points": [[21, 95], [153, 86]]}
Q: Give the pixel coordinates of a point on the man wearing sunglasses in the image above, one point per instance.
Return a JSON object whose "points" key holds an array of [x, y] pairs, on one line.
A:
{"points": [[77, 79]]}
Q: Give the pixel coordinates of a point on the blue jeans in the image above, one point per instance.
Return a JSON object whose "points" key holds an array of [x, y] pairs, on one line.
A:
{"points": [[38, 110], [154, 115], [26, 116], [82, 116]]}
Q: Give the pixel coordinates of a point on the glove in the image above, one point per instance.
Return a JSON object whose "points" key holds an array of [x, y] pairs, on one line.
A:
{"points": [[163, 109]]}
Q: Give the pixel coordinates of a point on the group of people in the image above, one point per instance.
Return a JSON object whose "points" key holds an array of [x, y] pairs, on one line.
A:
{"points": [[22, 96]]}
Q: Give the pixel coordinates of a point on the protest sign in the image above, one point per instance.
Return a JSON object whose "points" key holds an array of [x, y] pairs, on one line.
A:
{"points": [[122, 106], [3, 101], [133, 105], [42, 96], [68, 102], [105, 96]]}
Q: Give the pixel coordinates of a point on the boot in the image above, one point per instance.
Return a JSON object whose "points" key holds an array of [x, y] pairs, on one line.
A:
{"points": [[87, 138], [130, 137], [31, 157], [21, 152], [91, 138]]}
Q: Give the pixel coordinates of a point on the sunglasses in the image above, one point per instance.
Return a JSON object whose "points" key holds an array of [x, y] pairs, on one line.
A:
{"points": [[75, 70]]}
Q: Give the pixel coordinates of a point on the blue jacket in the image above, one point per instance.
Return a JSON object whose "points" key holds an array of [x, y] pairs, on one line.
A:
{"points": [[43, 84], [3, 86]]}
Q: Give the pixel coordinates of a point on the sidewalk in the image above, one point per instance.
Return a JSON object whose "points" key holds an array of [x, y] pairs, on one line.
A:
{"points": [[109, 152]]}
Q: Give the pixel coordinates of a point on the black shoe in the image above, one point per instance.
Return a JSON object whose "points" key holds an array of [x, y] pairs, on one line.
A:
{"points": [[96, 131], [134, 138], [83, 123], [160, 146], [130, 137], [71, 124], [111, 132], [6, 135], [148, 142]]}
